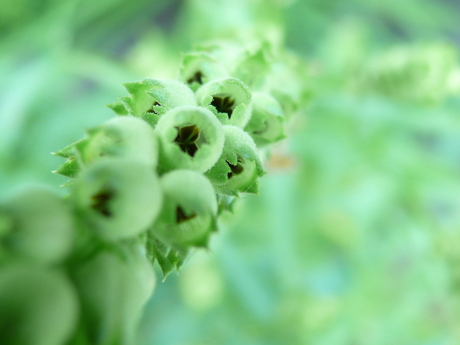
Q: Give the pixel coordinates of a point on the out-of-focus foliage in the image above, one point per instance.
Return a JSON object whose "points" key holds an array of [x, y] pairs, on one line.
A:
{"points": [[356, 234]]}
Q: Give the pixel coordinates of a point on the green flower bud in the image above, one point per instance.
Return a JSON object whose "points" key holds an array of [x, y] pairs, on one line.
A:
{"points": [[119, 198], [151, 98], [239, 167], [227, 52], [40, 226], [189, 210], [288, 82], [267, 122], [37, 305], [229, 99], [253, 66], [418, 73], [121, 137], [113, 288], [199, 68], [190, 137]]}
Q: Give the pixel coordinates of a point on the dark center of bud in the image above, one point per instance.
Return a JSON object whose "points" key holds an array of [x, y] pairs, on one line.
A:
{"points": [[235, 169], [181, 216], [186, 139], [223, 104], [151, 110], [101, 201], [197, 78]]}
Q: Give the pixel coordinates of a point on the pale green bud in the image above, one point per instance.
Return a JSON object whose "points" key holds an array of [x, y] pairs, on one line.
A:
{"points": [[190, 138], [151, 98], [229, 99], [38, 306], [121, 137], [113, 287], [267, 122], [199, 68], [38, 226], [239, 167], [118, 198], [188, 216]]}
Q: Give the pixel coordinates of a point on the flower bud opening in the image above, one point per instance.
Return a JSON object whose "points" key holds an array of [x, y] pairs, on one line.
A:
{"points": [[181, 216], [102, 201], [223, 104], [236, 169], [196, 78], [187, 138]]}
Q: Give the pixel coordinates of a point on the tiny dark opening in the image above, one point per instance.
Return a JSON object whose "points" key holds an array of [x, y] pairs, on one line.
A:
{"points": [[101, 201], [186, 139], [151, 110], [223, 104], [236, 169], [197, 77], [181, 216]]}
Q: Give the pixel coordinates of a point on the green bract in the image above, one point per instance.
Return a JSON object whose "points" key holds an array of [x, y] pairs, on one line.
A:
{"points": [[229, 99], [113, 288], [151, 98], [118, 198], [72, 166], [189, 209], [190, 138], [168, 258], [38, 306], [37, 225], [239, 167], [199, 68], [121, 137], [267, 122]]}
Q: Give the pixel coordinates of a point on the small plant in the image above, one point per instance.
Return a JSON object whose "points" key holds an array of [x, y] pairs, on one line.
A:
{"points": [[146, 186]]}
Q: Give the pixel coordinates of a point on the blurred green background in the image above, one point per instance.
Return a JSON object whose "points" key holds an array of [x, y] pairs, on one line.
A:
{"points": [[355, 238]]}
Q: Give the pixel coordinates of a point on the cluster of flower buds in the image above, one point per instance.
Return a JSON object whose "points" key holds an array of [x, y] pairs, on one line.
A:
{"points": [[146, 186], [426, 73]]}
